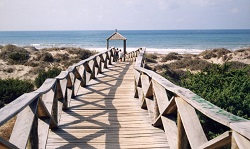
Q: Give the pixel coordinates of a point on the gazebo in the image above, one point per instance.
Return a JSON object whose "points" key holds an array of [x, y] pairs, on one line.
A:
{"points": [[118, 36]]}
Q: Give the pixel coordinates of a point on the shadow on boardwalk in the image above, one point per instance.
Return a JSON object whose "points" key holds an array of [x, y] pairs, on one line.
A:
{"points": [[105, 115], [108, 108]]}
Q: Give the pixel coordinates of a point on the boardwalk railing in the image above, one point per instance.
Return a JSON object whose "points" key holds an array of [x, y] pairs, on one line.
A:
{"points": [[174, 108], [41, 109]]}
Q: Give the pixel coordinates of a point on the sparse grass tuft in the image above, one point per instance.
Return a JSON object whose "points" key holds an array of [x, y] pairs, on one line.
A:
{"points": [[171, 56], [215, 53]]}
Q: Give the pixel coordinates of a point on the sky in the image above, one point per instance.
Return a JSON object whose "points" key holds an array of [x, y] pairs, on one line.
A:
{"points": [[25, 15]]}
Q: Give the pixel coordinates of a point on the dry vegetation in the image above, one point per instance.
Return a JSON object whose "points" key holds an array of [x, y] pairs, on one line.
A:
{"points": [[27, 62], [178, 65]]}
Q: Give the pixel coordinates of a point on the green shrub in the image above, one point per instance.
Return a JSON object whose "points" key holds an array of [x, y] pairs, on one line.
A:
{"points": [[43, 75], [10, 89], [46, 57], [14, 55], [224, 86]]}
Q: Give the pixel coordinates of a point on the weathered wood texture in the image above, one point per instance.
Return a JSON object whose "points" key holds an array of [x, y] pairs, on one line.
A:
{"points": [[105, 114], [41, 109], [174, 109]]}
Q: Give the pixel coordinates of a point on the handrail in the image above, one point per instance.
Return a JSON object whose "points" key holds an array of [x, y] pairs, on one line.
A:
{"points": [[173, 108], [40, 110]]}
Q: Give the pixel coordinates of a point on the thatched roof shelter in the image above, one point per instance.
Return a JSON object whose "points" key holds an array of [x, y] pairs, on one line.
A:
{"points": [[117, 36]]}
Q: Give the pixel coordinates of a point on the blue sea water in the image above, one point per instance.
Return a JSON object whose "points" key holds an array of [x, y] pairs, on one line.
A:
{"points": [[154, 39]]}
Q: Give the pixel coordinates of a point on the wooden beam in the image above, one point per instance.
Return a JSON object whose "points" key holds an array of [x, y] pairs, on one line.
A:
{"points": [[161, 96], [241, 141], [10, 110], [171, 130], [218, 142], [43, 130], [191, 123], [23, 124]]}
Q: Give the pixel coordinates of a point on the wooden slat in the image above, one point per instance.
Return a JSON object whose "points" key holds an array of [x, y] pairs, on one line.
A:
{"points": [[242, 128], [218, 142], [10, 110], [171, 130], [242, 142], [145, 82], [43, 130], [191, 123], [22, 127], [161, 96]]}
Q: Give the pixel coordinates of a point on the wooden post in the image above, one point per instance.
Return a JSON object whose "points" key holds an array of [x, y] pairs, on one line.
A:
{"points": [[107, 44], [182, 137], [124, 49]]}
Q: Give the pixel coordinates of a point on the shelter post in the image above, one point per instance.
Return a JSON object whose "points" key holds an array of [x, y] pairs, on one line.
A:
{"points": [[124, 49]]}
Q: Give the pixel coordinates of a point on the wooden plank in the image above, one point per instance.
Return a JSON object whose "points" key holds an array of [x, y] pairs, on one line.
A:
{"points": [[182, 136], [145, 84], [191, 123], [241, 141], [22, 127], [161, 96], [150, 108], [171, 130], [43, 130], [46, 86], [10, 110], [218, 142], [242, 128], [48, 99]]}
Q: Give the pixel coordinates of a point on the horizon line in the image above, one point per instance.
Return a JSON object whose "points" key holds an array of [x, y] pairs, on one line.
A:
{"points": [[123, 30]]}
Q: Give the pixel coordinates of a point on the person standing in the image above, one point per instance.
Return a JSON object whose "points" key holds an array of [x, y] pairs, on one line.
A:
{"points": [[120, 55]]}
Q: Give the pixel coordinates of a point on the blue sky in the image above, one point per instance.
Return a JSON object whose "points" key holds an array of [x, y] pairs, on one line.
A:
{"points": [[123, 14]]}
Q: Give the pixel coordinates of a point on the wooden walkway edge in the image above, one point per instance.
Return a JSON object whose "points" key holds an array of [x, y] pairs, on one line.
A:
{"points": [[105, 114]]}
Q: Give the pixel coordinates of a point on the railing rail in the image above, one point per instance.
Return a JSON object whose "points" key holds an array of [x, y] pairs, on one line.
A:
{"points": [[174, 108], [41, 109]]}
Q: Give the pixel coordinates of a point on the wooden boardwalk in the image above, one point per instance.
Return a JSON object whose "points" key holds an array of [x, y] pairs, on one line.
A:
{"points": [[106, 115]]}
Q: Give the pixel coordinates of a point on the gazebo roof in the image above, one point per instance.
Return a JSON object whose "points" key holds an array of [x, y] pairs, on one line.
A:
{"points": [[116, 36]]}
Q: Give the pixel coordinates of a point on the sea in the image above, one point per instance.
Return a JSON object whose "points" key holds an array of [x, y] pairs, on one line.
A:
{"points": [[164, 41]]}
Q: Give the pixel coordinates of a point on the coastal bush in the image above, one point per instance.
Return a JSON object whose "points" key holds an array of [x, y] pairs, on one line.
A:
{"points": [[9, 70], [175, 76], [10, 89], [31, 63], [225, 86], [151, 58], [81, 53], [46, 57], [14, 55], [84, 54], [214, 53], [43, 75], [191, 64], [171, 56]]}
